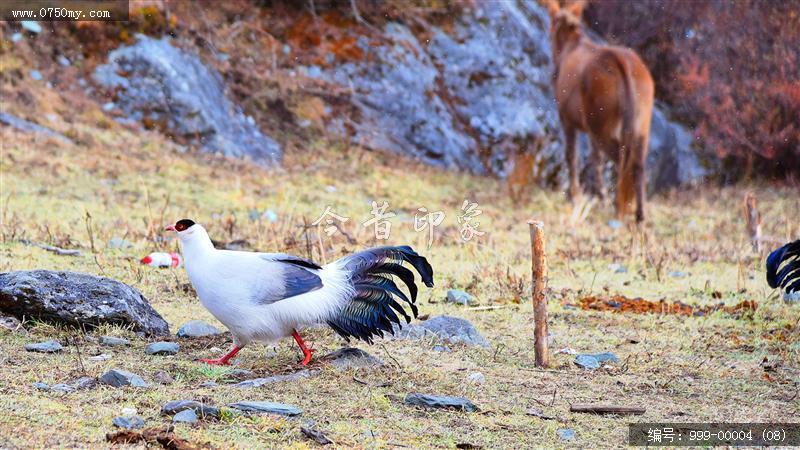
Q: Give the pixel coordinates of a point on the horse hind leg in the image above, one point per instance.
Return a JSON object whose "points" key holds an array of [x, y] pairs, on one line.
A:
{"points": [[572, 163], [639, 180], [597, 162]]}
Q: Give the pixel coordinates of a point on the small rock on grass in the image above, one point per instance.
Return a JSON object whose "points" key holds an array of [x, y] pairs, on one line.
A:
{"points": [[162, 377], [440, 401], [461, 298], [162, 348], [349, 357], [119, 378], [62, 387], [258, 382], [100, 357], [316, 435], [566, 434], [44, 347], [11, 323], [476, 378], [197, 328], [111, 341], [593, 361], [202, 409], [128, 423], [266, 408], [185, 416]]}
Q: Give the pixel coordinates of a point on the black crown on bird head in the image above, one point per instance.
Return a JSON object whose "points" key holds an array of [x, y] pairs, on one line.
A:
{"points": [[183, 224]]}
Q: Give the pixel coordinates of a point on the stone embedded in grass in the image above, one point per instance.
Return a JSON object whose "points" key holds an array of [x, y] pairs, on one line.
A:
{"points": [[256, 407], [128, 423], [241, 374], [455, 330], [442, 349], [62, 387], [111, 341], [85, 383], [461, 298], [41, 386], [77, 299], [440, 401], [593, 361], [197, 328], [566, 434], [258, 382], [11, 323], [119, 378], [678, 274], [100, 357], [476, 378], [202, 409], [185, 416], [44, 347], [162, 377], [350, 357], [162, 348]]}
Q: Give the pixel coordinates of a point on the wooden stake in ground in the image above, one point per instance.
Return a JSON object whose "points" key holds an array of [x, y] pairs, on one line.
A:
{"points": [[753, 219], [539, 278]]}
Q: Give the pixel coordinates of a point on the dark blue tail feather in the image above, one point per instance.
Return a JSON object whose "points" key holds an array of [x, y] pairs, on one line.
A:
{"points": [[783, 267], [373, 309]]}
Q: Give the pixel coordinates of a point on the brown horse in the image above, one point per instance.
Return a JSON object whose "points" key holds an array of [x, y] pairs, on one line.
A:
{"points": [[607, 92]]}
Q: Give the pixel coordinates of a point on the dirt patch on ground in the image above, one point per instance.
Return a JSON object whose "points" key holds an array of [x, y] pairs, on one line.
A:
{"points": [[620, 303]]}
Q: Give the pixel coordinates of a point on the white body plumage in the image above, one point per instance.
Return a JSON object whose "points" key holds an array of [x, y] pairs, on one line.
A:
{"points": [[232, 286]]}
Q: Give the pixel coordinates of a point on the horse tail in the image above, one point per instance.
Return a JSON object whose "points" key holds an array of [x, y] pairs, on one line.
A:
{"points": [[630, 140]]}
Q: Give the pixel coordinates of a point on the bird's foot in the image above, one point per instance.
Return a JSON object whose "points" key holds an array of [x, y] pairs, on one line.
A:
{"points": [[215, 362]]}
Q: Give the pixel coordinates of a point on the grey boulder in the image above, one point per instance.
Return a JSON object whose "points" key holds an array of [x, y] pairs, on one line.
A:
{"points": [[349, 357], [162, 348], [77, 299], [156, 82], [202, 409], [451, 329], [128, 423]]}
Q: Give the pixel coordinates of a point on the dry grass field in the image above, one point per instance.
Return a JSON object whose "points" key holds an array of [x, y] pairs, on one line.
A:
{"points": [[722, 366]]}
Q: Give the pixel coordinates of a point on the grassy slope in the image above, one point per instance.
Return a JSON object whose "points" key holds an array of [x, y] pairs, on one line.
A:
{"points": [[682, 369]]}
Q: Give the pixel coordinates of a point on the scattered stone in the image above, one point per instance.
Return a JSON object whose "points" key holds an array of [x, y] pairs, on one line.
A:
{"points": [[240, 374], [152, 80], [77, 299], [476, 378], [207, 384], [202, 409], [566, 434], [41, 386], [162, 377], [62, 387], [31, 25], [30, 127], [128, 423], [678, 274], [36, 75], [85, 383], [197, 328], [440, 401], [11, 323], [129, 411], [162, 348], [100, 357], [618, 268], [185, 416], [111, 341], [461, 298], [258, 382], [119, 378], [16, 37], [316, 435], [63, 60], [350, 357], [455, 330], [591, 362], [44, 347], [442, 349], [791, 297], [266, 408], [614, 224], [537, 412], [119, 243]]}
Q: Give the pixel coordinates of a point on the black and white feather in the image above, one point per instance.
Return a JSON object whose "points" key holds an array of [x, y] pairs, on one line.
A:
{"points": [[783, 268]]}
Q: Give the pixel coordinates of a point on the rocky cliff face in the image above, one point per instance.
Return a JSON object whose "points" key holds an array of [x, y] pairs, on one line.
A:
{"points": [[468, 97]]}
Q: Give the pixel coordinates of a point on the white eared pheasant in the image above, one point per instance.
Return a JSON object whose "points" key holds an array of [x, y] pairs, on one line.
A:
{"points": [[267, 296]]}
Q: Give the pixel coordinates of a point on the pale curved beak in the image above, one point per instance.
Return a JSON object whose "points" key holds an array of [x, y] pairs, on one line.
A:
{"points": [[170, 228]]}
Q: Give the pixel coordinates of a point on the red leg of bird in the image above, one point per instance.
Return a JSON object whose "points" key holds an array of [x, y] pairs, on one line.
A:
{"points": [[306, 351], [224, 360]]}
